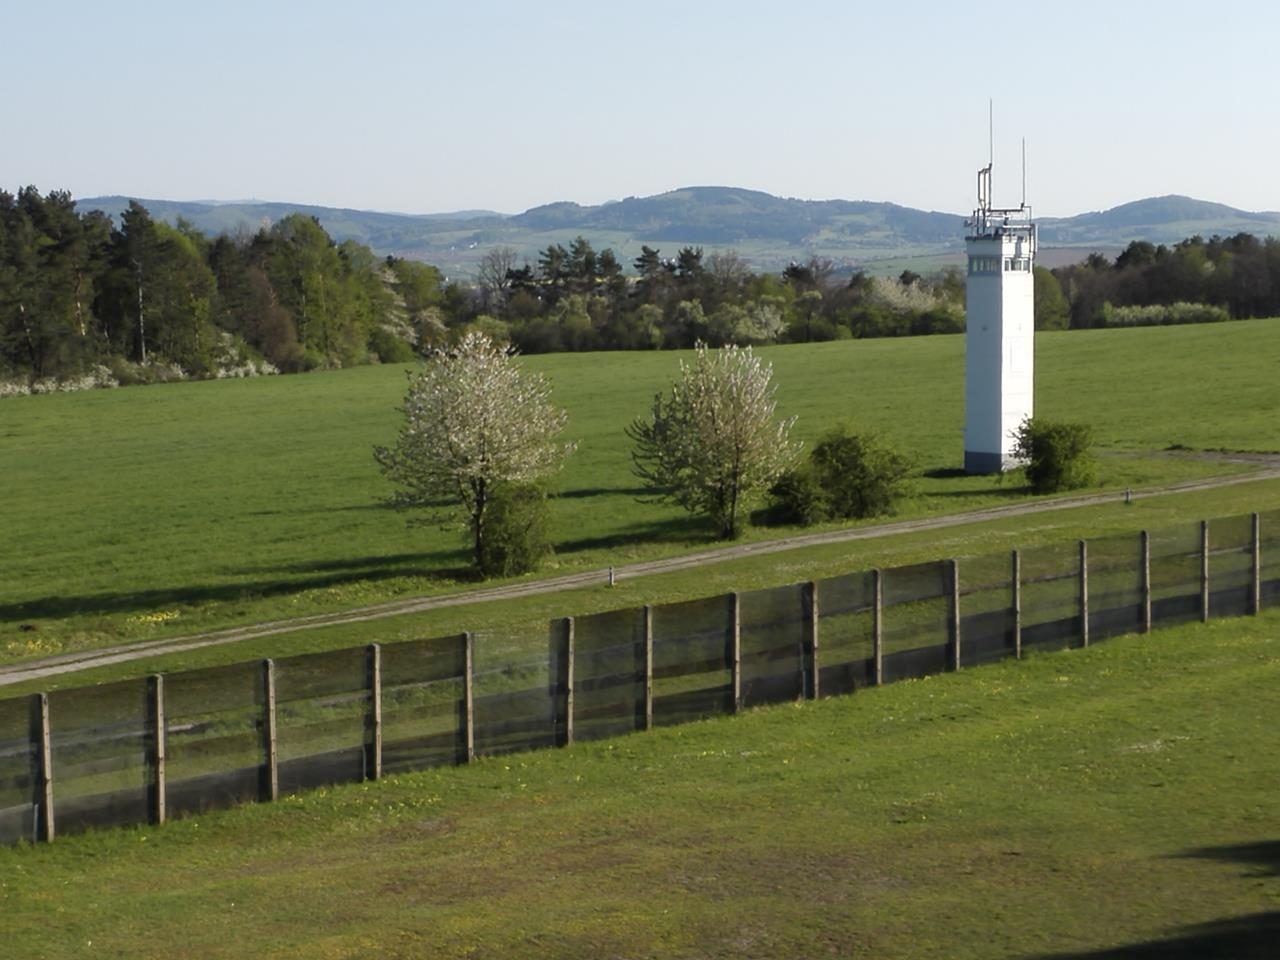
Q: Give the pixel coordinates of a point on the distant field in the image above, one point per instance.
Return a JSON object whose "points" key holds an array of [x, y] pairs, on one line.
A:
{"points": [[161, 510], [1119, 801]]}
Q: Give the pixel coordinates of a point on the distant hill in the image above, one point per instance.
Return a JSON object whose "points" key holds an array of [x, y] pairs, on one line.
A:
{"points": [[766, 230]]}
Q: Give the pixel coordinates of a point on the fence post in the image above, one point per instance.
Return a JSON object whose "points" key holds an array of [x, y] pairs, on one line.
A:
{"points": [[877, 626], [954, 618], [158, 748], [735, 650], [468, 697], [1084, 593], [44, 784], [813, 659], [562, 644], [648, 667], [1204, 571], [1146, 582], [1255, 567], [1015, 576], [271, 774], [373, 747]]}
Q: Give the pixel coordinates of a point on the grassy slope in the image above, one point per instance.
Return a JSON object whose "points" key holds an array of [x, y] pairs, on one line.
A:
{"points": [[1121, 796], [174, 508]]}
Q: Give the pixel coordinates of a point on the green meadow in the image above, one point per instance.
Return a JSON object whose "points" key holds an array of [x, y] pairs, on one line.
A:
{"points": [[164, 510], [1119, 801]]}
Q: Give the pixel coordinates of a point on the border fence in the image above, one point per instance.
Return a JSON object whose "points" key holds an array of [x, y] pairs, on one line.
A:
{"points": [[152, 748]]}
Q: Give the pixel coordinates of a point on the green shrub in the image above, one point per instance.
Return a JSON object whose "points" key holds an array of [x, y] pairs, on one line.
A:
{"points": [[389, 348], [516, 531], [848, 476], [1057, 454], [795, 498]]}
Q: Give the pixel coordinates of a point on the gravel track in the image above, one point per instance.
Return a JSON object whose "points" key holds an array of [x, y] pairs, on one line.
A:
{"points": [[70, 662]]}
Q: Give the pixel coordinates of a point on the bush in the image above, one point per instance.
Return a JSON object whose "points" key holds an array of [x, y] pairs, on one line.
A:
{"points": [[389, 348], [515, 530], [848, 476], [1057, 454]]}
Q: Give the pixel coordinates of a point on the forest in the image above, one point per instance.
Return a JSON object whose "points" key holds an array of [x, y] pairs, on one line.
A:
{"points": [[86, 300]]}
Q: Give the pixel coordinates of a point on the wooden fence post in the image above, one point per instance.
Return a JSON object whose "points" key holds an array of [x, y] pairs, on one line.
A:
{"points": [[877, 626], [562, 643], [735, 650], [159, 788], [1015, 580], [1255, 567], [648, 667], [373, 748], [954, 614], [468, 697], [44, 792], [1146, 582], [1204, 571], [1084, 593], [812, 642], [271, 772]]}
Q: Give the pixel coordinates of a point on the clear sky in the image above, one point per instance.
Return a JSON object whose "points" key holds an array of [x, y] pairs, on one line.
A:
{"points": [[427, 107]]}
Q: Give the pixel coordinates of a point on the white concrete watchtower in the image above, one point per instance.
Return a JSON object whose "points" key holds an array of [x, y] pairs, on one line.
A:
{"points": [[999, 305]]}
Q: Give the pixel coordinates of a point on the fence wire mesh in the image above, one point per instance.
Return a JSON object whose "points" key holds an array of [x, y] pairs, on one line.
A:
{"points": [[986, 609], [101, 742], [1231, 566], [773, 628], [1175, 574], [323, 718], [19, 770], [1269, 528], [513, 696], [609, 679], [214, 737], [423, 698], [1115, 586], [1051, 597], [846, 632], [691, 660], [916, 620]]}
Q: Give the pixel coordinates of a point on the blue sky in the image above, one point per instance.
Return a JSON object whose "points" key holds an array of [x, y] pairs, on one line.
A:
{"points": [[425, 107]]}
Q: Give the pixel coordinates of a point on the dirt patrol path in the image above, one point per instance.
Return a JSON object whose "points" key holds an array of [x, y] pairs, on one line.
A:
{"points": [[71, 662]]}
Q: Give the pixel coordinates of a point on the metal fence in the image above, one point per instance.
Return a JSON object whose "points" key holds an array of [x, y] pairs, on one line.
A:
{"points": [[145, 750]]}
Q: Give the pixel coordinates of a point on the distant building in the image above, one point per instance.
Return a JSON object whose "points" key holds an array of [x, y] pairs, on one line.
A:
{"points": [[999, 357]]}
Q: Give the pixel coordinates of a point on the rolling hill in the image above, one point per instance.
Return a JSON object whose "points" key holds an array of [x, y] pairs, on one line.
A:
{"points": [[766, 230]]}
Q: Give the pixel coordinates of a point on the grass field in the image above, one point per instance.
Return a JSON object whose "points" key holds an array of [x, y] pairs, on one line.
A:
{"points": [[1119, 801], [164, 510]]}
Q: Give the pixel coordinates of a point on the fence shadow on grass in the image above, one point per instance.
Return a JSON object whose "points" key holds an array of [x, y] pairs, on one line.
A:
{"points": [[1250, 937]]}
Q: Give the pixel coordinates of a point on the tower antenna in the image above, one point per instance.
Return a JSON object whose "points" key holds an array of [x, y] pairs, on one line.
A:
{"points": [[1024, 172], [991, 132]]}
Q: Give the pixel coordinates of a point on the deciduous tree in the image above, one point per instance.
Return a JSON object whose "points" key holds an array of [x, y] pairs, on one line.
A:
{"points": [[715, 440], [475, 426]]}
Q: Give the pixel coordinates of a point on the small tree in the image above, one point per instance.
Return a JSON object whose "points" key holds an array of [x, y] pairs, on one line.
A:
{"points": [[714, 441], [475, 425], [1056, 454]]}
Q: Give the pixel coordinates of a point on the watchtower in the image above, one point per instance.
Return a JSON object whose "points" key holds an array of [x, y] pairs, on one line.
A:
{"points": [[999, 302]]}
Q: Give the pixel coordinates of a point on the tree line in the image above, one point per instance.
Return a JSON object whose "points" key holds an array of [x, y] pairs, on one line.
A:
{"points": [[137, 299], [140, 299]]}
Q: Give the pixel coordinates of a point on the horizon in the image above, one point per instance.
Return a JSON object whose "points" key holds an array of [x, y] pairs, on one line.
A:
{"points": [[414, 108], [256, 201]]}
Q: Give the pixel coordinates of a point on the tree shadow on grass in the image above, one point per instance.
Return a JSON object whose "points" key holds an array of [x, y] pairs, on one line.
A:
{"points": [[583, 493], [673, 530], [1254, 936], [309, 576]]}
